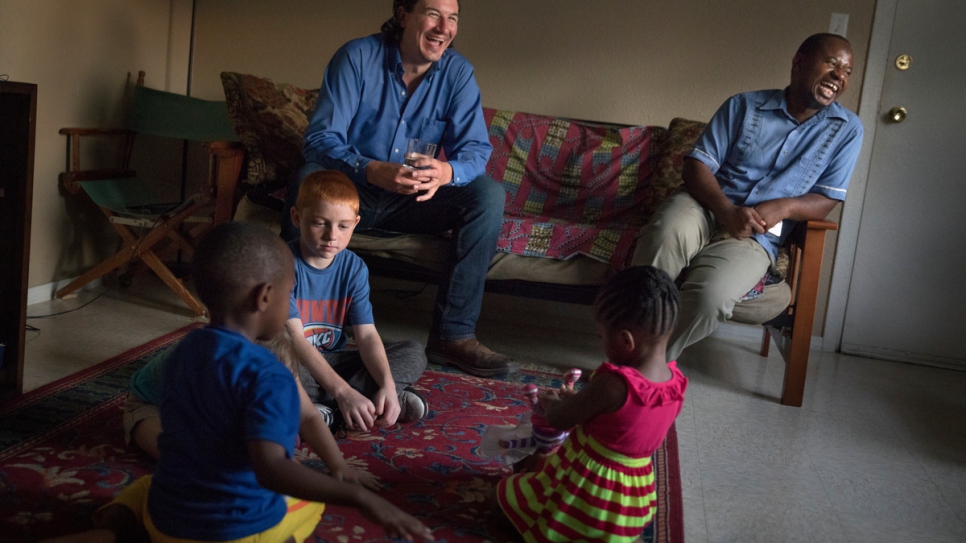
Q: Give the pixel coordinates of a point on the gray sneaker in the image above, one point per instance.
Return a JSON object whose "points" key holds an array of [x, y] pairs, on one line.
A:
{"points": [[412, 406]]}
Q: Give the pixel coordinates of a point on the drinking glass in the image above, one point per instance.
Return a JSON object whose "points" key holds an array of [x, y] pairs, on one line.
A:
{"points": [[417, 149]]}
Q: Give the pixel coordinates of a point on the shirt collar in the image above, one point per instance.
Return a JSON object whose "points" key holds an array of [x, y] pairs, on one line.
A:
{"points": [[394, 61], [777, 101]]}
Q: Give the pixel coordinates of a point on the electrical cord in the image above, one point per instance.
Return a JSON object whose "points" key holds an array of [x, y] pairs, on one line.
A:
{"points": [[131, 259], [87, 303]]}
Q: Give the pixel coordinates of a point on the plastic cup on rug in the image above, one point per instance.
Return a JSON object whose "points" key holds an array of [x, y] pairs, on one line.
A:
{"points": [[417, 149]]}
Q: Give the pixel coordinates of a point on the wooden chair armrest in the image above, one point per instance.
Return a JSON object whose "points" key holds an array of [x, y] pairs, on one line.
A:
{"points": [[69, 180], [74, 150], [821, 225], [225, 160]]}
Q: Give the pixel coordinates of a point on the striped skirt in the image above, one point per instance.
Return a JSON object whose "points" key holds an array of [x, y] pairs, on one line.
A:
{"points": [[582, 492]]}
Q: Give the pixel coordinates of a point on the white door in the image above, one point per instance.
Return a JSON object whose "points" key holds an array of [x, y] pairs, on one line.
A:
{"points": [[907, 298]]}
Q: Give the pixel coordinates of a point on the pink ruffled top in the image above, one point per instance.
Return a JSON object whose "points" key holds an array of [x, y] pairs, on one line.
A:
{"points": [[639, 427]]}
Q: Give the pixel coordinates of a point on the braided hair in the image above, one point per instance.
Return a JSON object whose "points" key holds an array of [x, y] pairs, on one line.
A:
{"points": [[642, 296]]}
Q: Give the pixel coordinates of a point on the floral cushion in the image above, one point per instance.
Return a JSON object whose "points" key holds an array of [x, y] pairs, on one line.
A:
{"points": [[680, 138], [270, 119]]}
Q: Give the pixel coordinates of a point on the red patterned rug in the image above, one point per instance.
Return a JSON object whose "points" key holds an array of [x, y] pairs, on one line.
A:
{"points": [[62, 455]]}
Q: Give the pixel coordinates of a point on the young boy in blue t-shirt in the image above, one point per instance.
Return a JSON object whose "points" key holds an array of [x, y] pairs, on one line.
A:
{"points": [[367, 387], [230, 413]]}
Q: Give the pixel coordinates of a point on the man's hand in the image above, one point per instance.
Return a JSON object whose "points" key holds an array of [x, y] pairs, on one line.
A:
{"points": [[387, 407], [772, 212], [431, 174], [393, 177], [359, 413], [742, 222]]}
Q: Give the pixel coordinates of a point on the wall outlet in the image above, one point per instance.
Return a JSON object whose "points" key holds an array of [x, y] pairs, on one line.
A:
{"points": [[839, 24]]}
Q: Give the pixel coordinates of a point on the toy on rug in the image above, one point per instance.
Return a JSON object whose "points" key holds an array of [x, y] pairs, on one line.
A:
{"points": [[532, 435]]}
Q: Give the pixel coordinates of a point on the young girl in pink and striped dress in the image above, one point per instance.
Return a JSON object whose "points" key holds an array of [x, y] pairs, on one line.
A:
{"points": [[599, 484]]}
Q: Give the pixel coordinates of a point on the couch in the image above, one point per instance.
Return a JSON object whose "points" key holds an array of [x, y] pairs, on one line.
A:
{"points": [[577, 195]]}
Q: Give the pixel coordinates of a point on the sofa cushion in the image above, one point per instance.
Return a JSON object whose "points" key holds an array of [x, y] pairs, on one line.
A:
{"points": [[270, 119], [680, 138], [573, 188]]}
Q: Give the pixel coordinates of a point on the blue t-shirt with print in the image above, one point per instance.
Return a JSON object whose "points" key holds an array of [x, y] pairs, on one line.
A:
{"points": [[219, 392], [327, 301]]}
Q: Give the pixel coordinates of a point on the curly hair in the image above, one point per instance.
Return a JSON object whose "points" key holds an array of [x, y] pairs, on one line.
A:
{"points": [[642, 296]]}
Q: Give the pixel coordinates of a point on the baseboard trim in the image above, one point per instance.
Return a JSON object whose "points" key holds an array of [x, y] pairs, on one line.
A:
{"points": [[881, 353], [752, 334], [45, 293]]}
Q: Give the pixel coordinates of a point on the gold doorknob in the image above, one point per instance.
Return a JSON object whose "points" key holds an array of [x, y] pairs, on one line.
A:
{"points": [[897, 114]]}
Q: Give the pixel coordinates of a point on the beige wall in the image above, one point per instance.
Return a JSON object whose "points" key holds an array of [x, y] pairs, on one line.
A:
{"points": [[624, 61], [81, 54]]}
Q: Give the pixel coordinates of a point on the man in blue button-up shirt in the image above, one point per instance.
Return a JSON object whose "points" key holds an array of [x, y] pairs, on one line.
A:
{"points": [[766, 159], [377, 93]]}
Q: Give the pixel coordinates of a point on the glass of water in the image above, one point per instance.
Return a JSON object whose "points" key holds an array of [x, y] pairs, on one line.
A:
{"points": [[417, 149]]}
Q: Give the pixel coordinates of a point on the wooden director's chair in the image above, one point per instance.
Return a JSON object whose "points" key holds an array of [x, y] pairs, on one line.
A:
{"points": [[133, 206]]}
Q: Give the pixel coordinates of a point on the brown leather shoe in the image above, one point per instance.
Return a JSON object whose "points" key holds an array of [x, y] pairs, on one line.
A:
{"points": [[470, 356]]}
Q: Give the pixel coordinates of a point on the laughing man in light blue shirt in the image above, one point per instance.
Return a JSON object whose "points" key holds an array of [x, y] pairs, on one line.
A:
{"points": [[766, 159]]}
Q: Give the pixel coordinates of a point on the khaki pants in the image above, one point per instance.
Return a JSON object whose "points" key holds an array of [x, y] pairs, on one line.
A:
{"points": [[683, 235]]}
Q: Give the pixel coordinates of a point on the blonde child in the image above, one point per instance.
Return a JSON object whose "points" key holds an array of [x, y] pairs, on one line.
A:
{"points": [[599, 485]]}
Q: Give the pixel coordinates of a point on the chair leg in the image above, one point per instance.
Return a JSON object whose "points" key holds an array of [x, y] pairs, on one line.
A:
{"points": [[765, 341], [98, 271], [162, 271]]}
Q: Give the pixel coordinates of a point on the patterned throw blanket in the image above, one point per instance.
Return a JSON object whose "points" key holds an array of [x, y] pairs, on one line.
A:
{"points": [[572, 188]]}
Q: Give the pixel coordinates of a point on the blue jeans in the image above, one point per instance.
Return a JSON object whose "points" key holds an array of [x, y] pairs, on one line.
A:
{"points": [[474, 213]]}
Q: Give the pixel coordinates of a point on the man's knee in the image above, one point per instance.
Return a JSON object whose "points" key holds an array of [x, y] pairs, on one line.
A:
{"points": [[710, 308], [488, 195], [711, 302]]}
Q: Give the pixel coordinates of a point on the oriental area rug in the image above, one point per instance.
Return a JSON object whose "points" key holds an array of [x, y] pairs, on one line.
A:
{"points": [[62, 455]]}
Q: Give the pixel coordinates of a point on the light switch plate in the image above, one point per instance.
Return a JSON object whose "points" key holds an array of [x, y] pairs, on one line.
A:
{"points": [[839, 24]]}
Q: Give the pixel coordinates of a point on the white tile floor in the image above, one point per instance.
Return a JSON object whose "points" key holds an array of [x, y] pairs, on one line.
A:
{"points": [[876, 453]]}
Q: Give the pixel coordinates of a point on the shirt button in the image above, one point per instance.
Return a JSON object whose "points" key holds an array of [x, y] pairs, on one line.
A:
{"points": [[403, 93], [357, 170], [402, 122], [396, 151]]}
